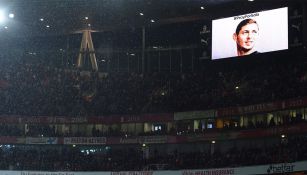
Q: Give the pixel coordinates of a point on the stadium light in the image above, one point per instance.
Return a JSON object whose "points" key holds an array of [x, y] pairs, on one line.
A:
{"points": [[2, 16], [11, 15]]}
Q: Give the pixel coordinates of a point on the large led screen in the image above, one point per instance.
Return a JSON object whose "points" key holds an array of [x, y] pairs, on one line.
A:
{"points": [[250, 34]]}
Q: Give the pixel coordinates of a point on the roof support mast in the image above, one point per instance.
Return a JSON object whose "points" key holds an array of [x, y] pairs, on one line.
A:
{"points": [[87, 48]]}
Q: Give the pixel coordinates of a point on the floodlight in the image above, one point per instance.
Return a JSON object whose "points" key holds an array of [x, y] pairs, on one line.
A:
{"points": [[2, 16], [11, 15]]}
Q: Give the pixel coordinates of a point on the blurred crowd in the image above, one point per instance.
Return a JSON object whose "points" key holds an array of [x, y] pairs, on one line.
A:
{"points": [[69, 158], [35, 89]]}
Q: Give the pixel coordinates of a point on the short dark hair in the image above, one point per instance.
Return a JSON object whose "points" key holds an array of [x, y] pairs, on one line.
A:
{"points": [[244, 23]]}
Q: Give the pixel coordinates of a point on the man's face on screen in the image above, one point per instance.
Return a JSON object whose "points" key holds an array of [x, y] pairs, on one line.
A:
{"points": [[247, 37]]}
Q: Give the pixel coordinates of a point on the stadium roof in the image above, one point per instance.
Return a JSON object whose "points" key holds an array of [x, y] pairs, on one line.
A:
{"points": [[44, 17]]}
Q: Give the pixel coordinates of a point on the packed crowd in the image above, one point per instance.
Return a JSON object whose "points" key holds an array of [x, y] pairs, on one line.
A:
{"points": [[34, 89], [288, 150], [68, 158]]}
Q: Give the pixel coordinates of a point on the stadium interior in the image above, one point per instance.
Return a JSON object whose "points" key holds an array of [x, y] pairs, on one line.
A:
{"points": [[129, 87]]}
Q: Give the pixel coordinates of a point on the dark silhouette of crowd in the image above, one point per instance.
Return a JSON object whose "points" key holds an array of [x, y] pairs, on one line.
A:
{"points": [[36, 89], [33, 89], [133, 158]]}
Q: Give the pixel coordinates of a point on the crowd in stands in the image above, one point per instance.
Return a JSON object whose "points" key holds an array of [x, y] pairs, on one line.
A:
{"points": [[68, 158], [35, 89]]}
